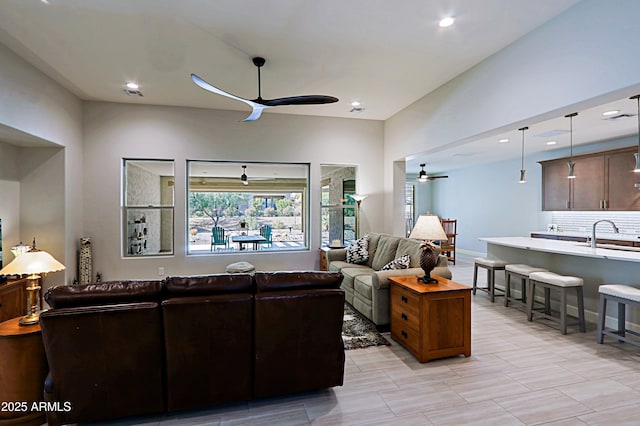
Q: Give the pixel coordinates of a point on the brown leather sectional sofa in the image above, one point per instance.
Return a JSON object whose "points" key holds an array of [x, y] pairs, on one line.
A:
{"points": [[131, 348]]}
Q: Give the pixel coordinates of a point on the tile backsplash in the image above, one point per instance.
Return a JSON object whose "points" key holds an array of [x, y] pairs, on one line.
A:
{"points": [[627, 222]]}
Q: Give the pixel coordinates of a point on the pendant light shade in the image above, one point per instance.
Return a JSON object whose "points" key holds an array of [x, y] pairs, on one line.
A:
{"points": [[523, 179], [571, 164], [637, 154]]}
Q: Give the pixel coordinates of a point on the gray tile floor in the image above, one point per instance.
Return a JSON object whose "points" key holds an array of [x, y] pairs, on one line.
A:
{"points": [[519, 373]]}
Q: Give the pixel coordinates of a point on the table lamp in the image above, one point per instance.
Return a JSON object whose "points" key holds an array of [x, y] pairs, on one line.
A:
{"points": [[428, 228], [33, 263]]}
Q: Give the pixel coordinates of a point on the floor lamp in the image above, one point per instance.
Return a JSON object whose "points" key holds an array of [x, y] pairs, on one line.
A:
{"points": [[358, 198]]}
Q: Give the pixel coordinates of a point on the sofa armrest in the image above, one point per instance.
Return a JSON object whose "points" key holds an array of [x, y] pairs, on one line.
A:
{"points": [[336, 254], [380, 279]]}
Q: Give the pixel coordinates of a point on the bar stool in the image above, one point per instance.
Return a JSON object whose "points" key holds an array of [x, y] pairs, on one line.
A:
{"points": [[557, 282], [624, 295], [491, 265], [522, 271]]}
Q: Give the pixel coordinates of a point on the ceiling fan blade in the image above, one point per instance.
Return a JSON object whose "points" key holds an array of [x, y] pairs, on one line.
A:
{"points": [[256, 107], [297, 100], [436, 177]]}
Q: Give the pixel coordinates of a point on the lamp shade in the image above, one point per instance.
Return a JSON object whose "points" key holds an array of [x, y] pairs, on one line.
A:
{"points": [[32, 262], [428, 227]]}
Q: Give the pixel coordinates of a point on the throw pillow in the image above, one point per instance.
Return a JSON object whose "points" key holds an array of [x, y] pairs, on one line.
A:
{"points": [[358, 251], [400, 263]]}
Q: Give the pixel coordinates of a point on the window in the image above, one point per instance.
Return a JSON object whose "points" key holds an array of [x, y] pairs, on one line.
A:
{"points": [[409, 206], [338, 208], [247, 206], [147, 207]]}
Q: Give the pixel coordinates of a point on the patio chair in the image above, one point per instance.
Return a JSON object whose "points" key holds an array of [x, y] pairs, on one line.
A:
{"points": [[218, 238], [265, 231]]}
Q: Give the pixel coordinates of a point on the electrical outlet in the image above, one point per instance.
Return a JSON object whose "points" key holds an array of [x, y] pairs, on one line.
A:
{"points": [[161, 270]]}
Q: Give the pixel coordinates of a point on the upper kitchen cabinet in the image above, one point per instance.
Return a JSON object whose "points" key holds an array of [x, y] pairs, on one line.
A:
{"points": [[556, 189], [604, 181], [622, 193]]}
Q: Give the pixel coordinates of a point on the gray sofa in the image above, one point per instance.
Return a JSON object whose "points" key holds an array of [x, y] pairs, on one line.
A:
{"points": [[366, 287]]}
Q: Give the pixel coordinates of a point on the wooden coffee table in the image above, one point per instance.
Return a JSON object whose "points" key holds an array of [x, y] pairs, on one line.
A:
{"points": [[431, 320]]}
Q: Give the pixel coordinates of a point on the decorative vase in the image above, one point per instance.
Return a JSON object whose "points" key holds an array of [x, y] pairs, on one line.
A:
{"points": [[428, 260], [85, 261]]}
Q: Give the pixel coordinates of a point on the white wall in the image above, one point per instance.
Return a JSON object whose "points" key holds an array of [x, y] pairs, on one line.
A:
{"points": [[582, 58], [113, 131], [34, 104]]}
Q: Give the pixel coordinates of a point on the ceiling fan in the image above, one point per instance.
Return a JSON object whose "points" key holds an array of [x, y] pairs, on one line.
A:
{"points": [[423, 177], [258, 104]]}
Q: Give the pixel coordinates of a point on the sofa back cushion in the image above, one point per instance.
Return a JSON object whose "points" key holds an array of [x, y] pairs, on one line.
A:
{"points": [[296, 280], [209, 284], [385, 251], [374, 238], [412, 248], [105, 293]]}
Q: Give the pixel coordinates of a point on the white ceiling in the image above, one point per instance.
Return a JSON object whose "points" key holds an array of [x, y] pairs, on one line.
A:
{"points": [[385, 54]]}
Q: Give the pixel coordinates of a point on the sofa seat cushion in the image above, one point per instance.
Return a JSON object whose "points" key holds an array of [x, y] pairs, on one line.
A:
{"points": [[385, 252], [339, 265], [362, 285], [350, 275]]}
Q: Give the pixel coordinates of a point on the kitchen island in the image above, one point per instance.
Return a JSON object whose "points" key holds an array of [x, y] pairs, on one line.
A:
{"points": [[605, 264]]}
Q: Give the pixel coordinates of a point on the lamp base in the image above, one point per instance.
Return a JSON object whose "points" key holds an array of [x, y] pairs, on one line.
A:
{"points": [[30, 319], [427, 280]]}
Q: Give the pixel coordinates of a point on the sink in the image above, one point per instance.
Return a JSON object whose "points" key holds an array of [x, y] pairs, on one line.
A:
{"points": [[612, 247]]}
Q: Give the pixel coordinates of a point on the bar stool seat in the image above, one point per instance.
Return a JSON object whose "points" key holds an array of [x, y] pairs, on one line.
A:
{"points": [[522, 271], [624, 295], [561, 283], [491, 265]]}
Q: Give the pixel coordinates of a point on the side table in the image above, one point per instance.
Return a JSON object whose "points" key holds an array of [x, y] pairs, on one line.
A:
{"points": [[431, 320], [324, 254], [23, 369]]}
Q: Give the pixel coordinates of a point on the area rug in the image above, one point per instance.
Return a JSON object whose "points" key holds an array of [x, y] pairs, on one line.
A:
{"points": [[358, 332]]}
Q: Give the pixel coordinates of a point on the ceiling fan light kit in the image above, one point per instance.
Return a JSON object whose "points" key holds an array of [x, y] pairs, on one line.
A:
{"points": [[258, 104], [423, 177]]}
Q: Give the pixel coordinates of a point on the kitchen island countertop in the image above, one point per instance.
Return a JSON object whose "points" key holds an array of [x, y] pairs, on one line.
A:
{"points": [[603, 251]]}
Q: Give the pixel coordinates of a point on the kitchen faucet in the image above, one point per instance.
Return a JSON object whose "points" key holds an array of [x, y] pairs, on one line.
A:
{"points": [[593, 230]]}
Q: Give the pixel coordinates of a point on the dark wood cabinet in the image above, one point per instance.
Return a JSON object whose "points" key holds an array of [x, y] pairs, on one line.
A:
{"points": [[13, 299], [604, 181], [556, 189], [622, 194], [588, 188]]}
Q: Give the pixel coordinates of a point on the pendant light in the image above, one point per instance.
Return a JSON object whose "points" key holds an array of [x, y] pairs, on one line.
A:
{"points": [[522, 169], [637, 154], [243, 177], [571, 164]]}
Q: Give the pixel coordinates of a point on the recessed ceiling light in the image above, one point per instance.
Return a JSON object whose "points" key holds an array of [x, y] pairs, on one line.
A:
{"points": [[355, 103], [612, 112], [45, 1], [446, 22], [551, 142], [505, 140], [131, 85]]}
